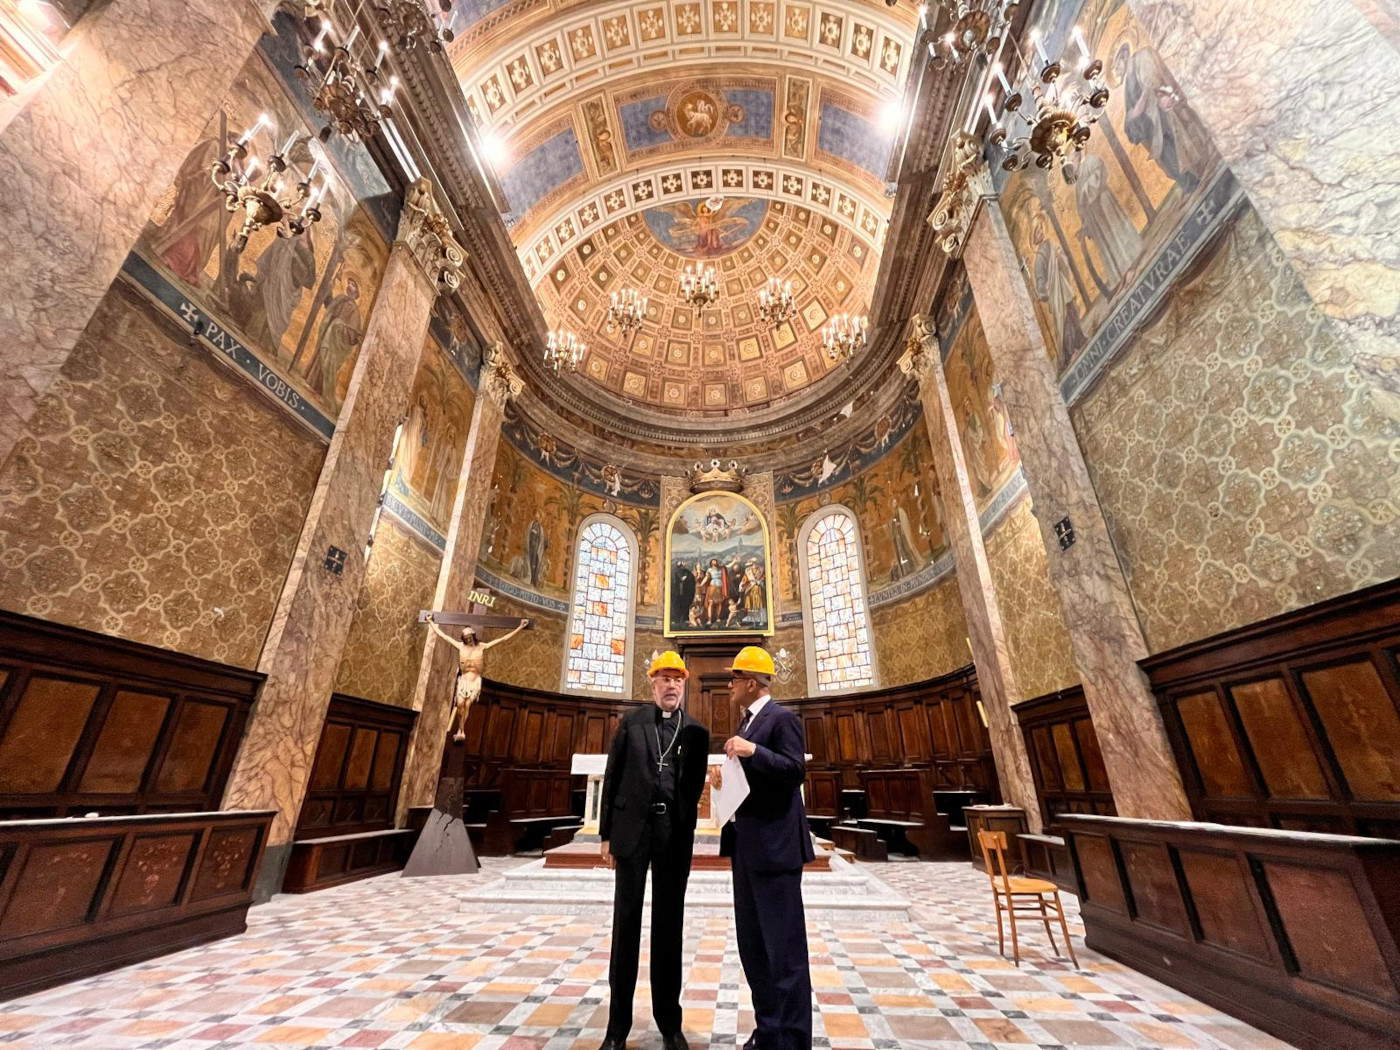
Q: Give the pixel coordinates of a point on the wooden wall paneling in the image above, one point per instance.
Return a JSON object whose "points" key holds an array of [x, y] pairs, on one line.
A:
{"points": [[1066, 762], [1295, 932], [1292, 722], [356, 774], [90, 722], [81, 896]]}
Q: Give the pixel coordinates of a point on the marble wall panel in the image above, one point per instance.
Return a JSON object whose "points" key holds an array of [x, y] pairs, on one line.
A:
{"points": [[156, 494], [922, 637], [385, 644], [1244, 463], [1037, 640]]}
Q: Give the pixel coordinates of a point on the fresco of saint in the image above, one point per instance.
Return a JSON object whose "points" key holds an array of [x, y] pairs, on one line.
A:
{"points": [[718, 548]]}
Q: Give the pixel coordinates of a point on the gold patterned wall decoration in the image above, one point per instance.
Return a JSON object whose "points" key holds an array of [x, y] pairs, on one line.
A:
{"points": [[535, 658], [796, 102], [1245, 465], [157, 495], [921, 637], [385, 644], [1037, 640], [1149, 162]]}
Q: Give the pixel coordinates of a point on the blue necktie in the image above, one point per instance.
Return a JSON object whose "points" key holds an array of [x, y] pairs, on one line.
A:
{"points": [[744, 722]]}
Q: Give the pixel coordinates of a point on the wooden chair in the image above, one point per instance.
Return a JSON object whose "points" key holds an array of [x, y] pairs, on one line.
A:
{"points": [[1010, 893]]}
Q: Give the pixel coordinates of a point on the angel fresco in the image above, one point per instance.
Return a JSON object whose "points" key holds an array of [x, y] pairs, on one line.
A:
{"points": [[708, 228]]}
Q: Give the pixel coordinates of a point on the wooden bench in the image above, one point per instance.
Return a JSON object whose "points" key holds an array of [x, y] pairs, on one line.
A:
{"points": [[900, 807], [533, 803], [1047, 857], [319, 863], [1293, 931], [86, 895], [863, 843]]}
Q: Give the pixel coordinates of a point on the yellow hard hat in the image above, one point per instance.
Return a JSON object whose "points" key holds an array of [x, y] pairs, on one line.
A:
{"points": [[670, 660], [755, 660]]}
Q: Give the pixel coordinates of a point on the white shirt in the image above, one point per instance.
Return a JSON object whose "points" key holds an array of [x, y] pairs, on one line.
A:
{"points": [[757, 706]]}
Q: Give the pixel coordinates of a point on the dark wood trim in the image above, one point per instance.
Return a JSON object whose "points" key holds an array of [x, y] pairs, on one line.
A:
{"points": [[71, 903], [1247, 713], [37, 650], [1069, 708], [1294, 932]]}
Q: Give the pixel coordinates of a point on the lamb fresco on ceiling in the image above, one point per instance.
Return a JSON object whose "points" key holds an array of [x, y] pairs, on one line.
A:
{"points": [[696, 112], [299, 304], [706, 228], [1086, 246]]}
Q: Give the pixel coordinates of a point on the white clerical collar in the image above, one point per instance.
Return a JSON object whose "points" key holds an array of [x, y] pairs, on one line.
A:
{"points": [[757, 705]]}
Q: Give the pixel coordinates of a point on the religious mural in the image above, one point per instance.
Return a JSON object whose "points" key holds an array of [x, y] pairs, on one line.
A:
{"points": [[433, 438], [897, 505], [719, 567], [300, 304], [1084, 245], [988, 445], [705, 229]]}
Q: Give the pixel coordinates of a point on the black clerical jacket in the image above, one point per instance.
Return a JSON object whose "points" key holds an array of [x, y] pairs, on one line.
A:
{"points": [[630, 781]]}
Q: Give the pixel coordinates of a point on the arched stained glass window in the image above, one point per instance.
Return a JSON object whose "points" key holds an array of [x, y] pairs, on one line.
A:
{"points": [[836, 620], [600, 625]]}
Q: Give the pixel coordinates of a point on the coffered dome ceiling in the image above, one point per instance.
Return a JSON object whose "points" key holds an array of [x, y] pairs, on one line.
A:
{"points": [[638, 138]]}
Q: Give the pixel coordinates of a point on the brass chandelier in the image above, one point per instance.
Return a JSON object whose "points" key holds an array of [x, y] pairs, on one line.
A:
{"points": [[700, 287], [627, 310], [974, 27], [352, 95], [1065, 102], [775, 302], [260, 189], [563, 352], [844, 336], [409, 24]]}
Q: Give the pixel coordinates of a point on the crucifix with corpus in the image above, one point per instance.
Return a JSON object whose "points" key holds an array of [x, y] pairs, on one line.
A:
{"points": [[471, 651]]}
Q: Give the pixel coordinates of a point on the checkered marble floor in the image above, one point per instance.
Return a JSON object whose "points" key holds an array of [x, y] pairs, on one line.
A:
{"points": [[397, 963]]}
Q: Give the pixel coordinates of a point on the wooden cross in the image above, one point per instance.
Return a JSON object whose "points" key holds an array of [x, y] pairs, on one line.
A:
{"points": [[471, 619]]}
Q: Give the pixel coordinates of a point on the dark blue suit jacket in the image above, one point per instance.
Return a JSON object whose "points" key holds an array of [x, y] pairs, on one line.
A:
{"points": [[769, 832]]}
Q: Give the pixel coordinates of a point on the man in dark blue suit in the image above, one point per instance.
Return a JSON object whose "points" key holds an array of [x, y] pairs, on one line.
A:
{"points": [[767, 842]]}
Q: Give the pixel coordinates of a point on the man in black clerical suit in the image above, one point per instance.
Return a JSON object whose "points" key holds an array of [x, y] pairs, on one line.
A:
{"points": [[767, 842], [651, 790]]}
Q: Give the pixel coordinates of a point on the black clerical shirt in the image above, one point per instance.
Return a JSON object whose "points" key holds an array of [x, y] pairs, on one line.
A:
{"points": [[665, 738]]}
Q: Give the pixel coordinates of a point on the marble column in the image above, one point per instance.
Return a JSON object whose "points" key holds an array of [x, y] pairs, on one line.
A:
{"points": [[85, 158], [437, 669], [995, 680], [1301, 100], [1105, 635], [314, 612]]}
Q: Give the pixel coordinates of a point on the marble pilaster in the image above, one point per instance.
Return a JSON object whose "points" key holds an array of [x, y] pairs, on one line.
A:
{"points": [[84, 161], [1300, 99], [432, 697], [1105, 635], [315, 610], [995, 679]]}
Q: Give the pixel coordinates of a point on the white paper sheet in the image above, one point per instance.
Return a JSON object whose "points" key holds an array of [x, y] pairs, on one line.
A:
{"points": [[733, 789]]}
